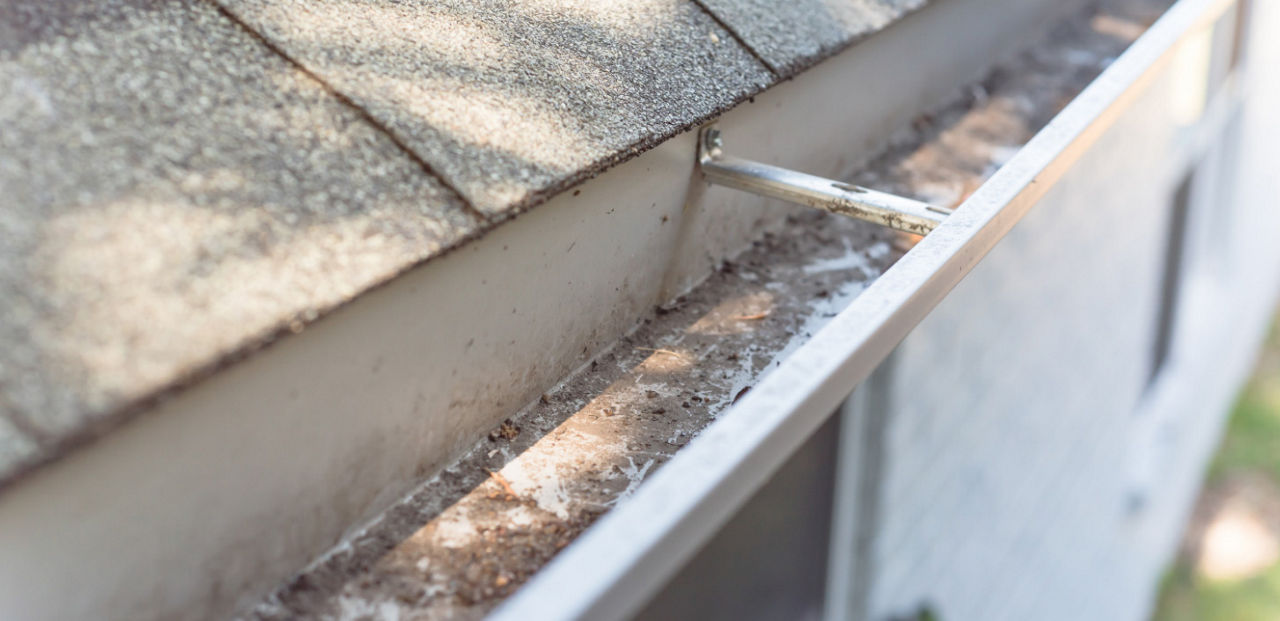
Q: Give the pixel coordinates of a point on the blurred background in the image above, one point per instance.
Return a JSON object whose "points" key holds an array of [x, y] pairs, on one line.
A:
{"points": [[1229, 563]]}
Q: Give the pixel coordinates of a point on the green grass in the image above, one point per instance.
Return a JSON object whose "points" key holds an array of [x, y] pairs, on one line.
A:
{"points": [[1251, 445], [1186, 597], [1252, 440]]}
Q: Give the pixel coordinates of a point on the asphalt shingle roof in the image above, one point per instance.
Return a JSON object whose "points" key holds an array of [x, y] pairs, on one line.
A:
{"points": [[183, 181], [511, 102], [793, 35]]}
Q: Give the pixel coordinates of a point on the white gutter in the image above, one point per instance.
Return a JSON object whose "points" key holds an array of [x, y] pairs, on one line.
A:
{"points": [[610, 571], [319, 433]]}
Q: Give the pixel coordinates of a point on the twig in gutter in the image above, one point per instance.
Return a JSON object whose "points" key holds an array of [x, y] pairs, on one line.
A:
{"points": [[752, 317], [497, 476], [665, 351]]}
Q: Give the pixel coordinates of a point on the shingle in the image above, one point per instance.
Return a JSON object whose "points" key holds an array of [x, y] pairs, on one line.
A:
{"points": [[15, 446], [172, 191], [791, 36], [513, 101]]}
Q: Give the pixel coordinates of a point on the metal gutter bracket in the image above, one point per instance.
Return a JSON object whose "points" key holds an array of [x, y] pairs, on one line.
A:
{"points": [[837, 197]]}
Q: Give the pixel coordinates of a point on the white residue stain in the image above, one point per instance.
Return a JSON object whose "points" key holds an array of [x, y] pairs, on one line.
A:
{"points": [[545, 488], [823, 310], [360, 609], [553, 497], [879, 250], [520, 516], [851, 259], [662, 389], [453, 529], [635, 476]]}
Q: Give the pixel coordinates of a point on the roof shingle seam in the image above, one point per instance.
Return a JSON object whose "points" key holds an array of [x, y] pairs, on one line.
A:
{"points": [[362, 111], [794, 37], [178, 221], [515, 103], [737, 36]]}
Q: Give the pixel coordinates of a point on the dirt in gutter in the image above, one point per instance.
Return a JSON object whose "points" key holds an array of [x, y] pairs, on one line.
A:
{"points": [[477, 531]]}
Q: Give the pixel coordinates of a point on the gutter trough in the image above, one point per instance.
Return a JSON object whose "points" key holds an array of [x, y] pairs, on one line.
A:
{"points": [[684, 503], [596, 387], [750, 363]]}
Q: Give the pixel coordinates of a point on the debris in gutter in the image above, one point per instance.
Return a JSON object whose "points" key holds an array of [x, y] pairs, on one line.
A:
{"points": [[665, 351], [568, 460], [497, 476], [506, 431], [575, 461]]}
